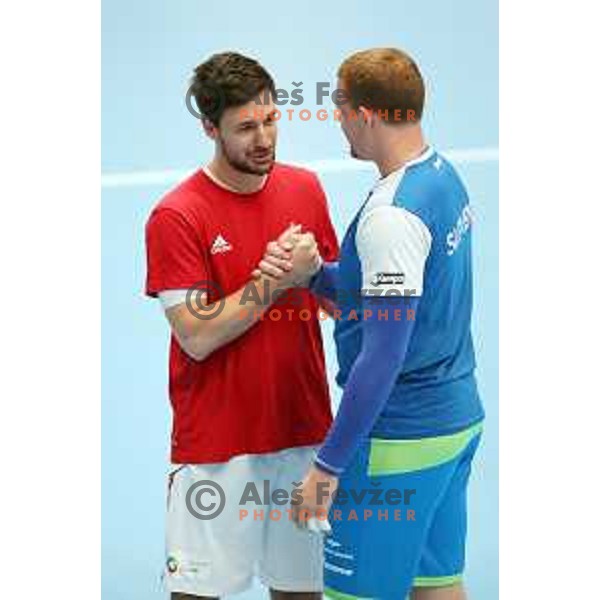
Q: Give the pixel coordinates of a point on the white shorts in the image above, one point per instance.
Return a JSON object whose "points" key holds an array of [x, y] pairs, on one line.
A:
{"points": [[220, 555]]}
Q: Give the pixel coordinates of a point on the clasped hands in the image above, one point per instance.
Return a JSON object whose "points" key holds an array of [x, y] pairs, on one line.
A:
{"points": [[292, 259]]}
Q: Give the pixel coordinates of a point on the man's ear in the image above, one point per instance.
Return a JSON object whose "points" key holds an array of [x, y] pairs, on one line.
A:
{"points": [[210, 129], [366, 116]]}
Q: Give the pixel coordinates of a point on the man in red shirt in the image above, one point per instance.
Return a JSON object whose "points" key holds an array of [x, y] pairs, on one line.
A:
{"points": [[248, 406]]}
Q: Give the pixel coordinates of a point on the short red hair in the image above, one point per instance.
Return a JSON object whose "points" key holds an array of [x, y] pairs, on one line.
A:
{"points": [[384, 79]]}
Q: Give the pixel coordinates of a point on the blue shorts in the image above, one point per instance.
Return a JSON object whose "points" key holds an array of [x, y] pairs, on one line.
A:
{"points": [[399, 519]]}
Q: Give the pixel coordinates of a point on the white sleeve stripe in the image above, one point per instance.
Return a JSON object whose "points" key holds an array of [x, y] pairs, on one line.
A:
{"points": [[170, 298], [412, 224], [328, 467], [393, 245]]}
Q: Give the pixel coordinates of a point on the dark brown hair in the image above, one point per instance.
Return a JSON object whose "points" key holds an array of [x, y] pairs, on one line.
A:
{"points": [[228, 80], [384, 79]]}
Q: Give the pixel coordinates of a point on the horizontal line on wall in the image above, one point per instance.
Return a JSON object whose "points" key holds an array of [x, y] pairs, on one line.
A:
{"points": [[327, 165]]}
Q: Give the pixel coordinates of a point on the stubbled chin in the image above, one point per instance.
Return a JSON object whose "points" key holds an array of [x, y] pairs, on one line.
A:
{"points": [[262, 169]]}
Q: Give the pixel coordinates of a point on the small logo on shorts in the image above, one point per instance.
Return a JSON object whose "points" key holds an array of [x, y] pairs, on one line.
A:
{"points": [[172, 565], [388, 278]]}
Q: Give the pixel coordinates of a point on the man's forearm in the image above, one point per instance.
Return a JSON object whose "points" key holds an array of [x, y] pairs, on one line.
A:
{"points": [[325, 282], [371, 379], [200, 337]]}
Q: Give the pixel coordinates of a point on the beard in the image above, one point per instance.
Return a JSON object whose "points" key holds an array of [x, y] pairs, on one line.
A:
{"points": [[259, 162]]}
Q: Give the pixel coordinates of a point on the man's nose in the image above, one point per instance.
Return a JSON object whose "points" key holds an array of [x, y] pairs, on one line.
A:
{"points": [[261, 136]]}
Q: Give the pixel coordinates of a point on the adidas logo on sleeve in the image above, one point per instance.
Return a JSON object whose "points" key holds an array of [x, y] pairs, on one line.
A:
{"points": [[220, 245]]}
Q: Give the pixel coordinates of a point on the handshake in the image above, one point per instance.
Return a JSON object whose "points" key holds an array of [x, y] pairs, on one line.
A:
{"points": [[291, 260]]}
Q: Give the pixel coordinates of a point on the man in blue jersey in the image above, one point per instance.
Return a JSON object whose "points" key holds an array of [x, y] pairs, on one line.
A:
{"points": [[400, 449]]}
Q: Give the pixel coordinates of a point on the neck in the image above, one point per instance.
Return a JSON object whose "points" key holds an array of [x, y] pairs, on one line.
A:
{"points": [[399, 146], [230, 178]]}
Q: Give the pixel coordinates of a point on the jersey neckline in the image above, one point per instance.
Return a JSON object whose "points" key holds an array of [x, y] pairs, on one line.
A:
{"points": [[212, 182], [423, 157]]}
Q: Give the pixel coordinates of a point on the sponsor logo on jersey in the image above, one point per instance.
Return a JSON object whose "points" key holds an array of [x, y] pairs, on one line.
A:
{"points": [[388, 278], [220, 245], [460, 229]]}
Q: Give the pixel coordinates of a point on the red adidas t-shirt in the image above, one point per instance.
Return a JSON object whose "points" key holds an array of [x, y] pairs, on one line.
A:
{"points": [[267, 390]]}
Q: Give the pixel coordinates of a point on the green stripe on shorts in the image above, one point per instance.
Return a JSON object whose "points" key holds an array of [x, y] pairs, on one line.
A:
{"points": [[437, 581], [329, 593], [392, 457]]}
